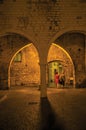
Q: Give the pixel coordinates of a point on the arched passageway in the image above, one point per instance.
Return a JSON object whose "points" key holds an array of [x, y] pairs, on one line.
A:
{"points": [[59, 60], [24, 67], [73, 43]]}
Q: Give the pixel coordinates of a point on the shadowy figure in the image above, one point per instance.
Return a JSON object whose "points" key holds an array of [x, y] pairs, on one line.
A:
{"points": [[49, 120], [62, 79]]}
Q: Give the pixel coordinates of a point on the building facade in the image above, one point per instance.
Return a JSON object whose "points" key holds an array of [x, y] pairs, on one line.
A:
{"points": [[44, 24]]}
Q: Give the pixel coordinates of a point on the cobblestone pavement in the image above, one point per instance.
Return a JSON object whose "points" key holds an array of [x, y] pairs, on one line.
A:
{"points": [[23, 109]]}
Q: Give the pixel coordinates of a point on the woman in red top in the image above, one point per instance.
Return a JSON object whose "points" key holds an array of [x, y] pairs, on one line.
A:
{"points": [[56, 79]]}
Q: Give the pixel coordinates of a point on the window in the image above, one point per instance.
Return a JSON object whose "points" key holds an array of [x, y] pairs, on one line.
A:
{"points": [[18, 57]]}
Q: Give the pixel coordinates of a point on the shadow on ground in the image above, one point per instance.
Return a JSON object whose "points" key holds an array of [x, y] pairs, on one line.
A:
{"points": [[49, 119]]}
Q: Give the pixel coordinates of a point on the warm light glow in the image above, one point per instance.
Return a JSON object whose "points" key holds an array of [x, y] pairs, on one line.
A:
{"points": [[57, 55], [63, 51], [13, 59]]}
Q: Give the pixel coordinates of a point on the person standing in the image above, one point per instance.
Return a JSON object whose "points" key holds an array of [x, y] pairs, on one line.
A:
{"points": [[56, 79], [62, 79]]}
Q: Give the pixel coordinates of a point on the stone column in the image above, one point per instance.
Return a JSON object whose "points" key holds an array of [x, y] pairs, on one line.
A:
{"points": [[43, 87], [85, 53]]}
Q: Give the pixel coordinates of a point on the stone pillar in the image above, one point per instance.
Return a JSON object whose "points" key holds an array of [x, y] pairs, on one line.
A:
{"points": [[85, 53], [43, 87]]}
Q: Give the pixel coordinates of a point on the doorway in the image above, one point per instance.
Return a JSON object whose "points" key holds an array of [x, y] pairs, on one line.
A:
{"points": [[53, 67]]}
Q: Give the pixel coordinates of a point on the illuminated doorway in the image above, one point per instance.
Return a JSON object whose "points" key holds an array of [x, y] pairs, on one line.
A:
{"points": [[24, 69], [59, 60], [53, 67]]}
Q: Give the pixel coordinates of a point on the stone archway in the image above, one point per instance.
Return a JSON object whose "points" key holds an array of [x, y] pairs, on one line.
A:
{"points": [[24, 67], [74, 42], [10, 44], [60, 60]]}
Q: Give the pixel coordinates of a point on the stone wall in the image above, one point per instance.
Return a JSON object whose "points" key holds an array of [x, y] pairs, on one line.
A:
{"points": [[43, 22], [45, 16], [74, 43], [27, 71]]}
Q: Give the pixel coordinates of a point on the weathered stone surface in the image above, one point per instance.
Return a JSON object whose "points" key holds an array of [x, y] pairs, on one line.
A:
{"points": [[43, 22]]}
